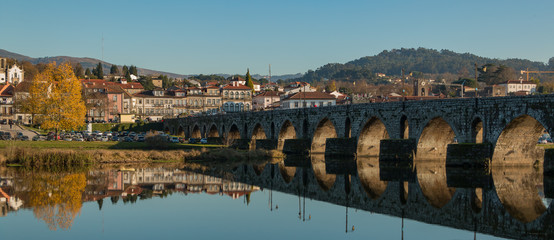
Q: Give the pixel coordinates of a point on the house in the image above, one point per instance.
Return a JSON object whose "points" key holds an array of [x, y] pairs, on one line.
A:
{"points": [[236, 98], [21, 92], [513, 86], [266, 100], [6, 101], [297, 87], [308, 99]]}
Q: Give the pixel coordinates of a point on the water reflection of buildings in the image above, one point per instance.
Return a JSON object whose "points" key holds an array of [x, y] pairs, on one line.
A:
{"points": [[130, 185], [150, 182]]}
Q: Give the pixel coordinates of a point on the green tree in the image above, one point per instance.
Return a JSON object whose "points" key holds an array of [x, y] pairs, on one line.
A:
{"points": [[133, 70], [78, 70], [125, 70], [249, 82], [492, 74], [99, 71], [146, 82], [88, 74], [114, 70]]}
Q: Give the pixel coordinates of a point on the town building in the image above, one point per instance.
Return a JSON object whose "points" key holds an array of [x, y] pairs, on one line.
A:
{"points": [[6, 101], [10, 74], [266, 100], [308, 99], [513, 86], [236, 98]]}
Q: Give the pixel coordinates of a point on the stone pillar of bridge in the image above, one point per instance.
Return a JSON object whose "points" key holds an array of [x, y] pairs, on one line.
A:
{"points": [[457, 177], [469, 155], [397, 152], [340, 147], [242, 144], [297, 146], [266, 144]]}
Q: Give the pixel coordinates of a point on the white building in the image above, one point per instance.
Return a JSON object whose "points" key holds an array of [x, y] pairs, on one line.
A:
{"points": [[10, 74], [308, 99], [513, 86]]}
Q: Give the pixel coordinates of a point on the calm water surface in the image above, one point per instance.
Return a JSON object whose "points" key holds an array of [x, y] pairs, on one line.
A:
{"points": [[271, 201]]}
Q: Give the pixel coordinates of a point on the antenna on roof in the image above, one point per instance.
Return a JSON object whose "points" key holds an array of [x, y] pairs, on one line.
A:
{"points": [[269, 72], [102, 47]]}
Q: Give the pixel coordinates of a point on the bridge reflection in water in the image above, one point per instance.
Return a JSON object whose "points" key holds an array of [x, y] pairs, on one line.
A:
{"points": [[506, 202]]}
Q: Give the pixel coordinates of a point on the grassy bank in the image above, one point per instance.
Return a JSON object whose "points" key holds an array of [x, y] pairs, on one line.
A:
{"points": [[99, 145], [136, 127]]}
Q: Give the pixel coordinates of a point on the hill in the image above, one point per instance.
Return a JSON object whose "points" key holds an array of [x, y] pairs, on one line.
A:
{"points": [[85, 62], [427, 61]]}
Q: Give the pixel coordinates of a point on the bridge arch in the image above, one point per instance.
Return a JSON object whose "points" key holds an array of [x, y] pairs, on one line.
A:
{"points": [[325, 129], [167, 130], [430, 161], [369, 140], [196, 132], [213, 133], [257, 133], [517, 143], [180, 131], [233, 134], [287, 131], [516, 168]]}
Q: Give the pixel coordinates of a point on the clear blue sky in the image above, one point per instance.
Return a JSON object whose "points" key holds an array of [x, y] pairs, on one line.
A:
{"points": [[228, 36]]}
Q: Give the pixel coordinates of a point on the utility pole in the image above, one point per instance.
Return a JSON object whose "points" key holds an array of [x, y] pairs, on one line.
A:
{"points": [[269, 72]]}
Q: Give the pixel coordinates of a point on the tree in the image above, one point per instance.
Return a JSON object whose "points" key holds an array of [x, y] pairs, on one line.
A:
{"points": [[56, 93], [249, 82], [114, 70], [125, 70], [78, 70], [468, 82], [146, 83], [88, 74], [99, 71], [133, 70], [331, 87], [551, 63], [492, 74]]}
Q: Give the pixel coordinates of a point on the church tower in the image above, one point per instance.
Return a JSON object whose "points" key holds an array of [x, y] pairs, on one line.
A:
{"points": [[421, 88]]}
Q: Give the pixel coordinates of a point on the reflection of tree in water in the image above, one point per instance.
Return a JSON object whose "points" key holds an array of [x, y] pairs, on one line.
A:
{"points": [[56, 199]]}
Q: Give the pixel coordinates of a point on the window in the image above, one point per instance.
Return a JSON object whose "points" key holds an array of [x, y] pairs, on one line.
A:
{"points": [[295, 104], [115, 98]]}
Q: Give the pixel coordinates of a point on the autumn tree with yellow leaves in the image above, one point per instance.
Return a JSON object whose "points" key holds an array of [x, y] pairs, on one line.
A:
{"points": [[55, 98]]}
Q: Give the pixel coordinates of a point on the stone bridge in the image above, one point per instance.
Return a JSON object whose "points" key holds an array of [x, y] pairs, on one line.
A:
{"points": [[472, 131]]}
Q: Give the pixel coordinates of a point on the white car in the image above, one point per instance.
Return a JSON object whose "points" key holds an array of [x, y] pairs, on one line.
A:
{"points": [[203, 140], [174, 140], [104, 139]]}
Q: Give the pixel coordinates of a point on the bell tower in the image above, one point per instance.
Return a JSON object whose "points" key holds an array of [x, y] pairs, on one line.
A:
{"points": [[3, 69], [421, 88]]}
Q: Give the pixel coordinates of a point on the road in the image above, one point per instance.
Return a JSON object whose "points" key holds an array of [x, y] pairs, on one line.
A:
{"points": [[15, 129]]}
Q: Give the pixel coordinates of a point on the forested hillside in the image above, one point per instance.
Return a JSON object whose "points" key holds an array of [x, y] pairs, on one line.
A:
{"points": [[427, 61]]}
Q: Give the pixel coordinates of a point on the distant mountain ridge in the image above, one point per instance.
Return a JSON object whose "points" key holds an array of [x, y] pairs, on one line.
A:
{"points": [[92, 62], [427, 61]]}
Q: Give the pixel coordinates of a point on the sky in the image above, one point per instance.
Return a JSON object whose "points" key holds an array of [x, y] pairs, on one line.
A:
{"points": [[294, 36]]}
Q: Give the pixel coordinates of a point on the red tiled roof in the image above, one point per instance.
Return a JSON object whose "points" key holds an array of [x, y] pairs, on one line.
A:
{"points": [[312, 95], [269, 94], [239, 87]]}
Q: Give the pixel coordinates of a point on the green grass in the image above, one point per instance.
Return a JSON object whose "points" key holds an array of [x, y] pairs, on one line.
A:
{"points": [[98, 145], [40, 131], [546, 146]]}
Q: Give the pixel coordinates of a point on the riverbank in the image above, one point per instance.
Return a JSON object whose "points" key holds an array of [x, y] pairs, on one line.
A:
{"points": [[75, 154], [100, 145]]}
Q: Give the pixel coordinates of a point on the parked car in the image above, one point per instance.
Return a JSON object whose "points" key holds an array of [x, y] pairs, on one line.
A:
{"points": [[204, 140], [174, 140], [193, 140], [37, 138], [104, 138]]}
